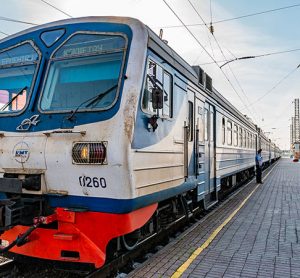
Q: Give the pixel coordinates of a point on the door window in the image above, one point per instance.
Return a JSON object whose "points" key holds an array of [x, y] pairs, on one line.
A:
{"points": [[206, 124], [191, 121], [211, 119], [229, 133], [157, 76]]}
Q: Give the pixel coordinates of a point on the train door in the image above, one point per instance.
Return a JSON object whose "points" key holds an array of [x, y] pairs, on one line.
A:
{"points": [[199, 149], [210, 152], [190, 136]]}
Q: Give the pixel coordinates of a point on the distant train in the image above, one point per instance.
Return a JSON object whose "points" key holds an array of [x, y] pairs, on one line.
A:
{"points": [[107, 136]]}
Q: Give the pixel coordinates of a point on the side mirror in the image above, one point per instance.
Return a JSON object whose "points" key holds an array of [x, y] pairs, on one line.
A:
{"points": [[157, 98]]}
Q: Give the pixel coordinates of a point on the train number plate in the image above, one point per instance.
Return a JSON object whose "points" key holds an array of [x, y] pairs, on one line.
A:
{"points": [[96, 182]]}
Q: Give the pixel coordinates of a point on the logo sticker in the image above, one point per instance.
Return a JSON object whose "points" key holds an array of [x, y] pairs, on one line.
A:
{"points": [[27, 123], [21, 152]]}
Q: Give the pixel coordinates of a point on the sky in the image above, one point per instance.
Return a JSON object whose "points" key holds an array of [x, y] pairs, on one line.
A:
{"points": [[263, 88]]}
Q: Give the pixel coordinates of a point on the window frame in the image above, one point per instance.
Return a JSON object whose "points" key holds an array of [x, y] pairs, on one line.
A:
{"points": [[30, 90], [170, 115], [223, 131], [240, 137], [235, 135], [248, 140], [51, 59], [244, 138], [164, 71], [190, 121], [229, 132], [206, 124]]}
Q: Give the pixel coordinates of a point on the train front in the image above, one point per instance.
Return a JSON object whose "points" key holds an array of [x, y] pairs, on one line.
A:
{"points": [[68, 97]]}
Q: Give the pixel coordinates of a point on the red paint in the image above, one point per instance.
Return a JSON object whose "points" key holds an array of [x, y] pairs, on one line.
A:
{"points": [[85, 232]]}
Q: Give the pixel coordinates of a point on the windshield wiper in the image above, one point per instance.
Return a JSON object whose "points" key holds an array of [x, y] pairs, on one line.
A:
{"points": [[11, 101], [92, 100]]}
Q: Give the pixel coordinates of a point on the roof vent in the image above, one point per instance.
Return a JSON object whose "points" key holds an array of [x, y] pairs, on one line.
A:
{"points": [[208, 83], [200, 74]]}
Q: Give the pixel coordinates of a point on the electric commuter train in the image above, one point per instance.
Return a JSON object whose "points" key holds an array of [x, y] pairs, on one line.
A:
{"points": [[108, 136]]}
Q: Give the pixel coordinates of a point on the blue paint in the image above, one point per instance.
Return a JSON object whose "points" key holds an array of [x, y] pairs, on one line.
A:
{"points": [[142, 136], [51, 37], [56, 120], [109, 205]]}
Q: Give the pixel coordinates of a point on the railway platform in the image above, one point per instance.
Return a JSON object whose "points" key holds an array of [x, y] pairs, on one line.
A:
{"points": [[254, 233]]}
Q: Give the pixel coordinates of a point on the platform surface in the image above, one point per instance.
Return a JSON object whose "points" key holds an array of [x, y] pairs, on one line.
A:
{"points": [[262, 238]]}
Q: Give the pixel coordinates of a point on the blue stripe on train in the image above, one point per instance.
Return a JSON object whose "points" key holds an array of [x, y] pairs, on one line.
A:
{"points": [[108, 205]]}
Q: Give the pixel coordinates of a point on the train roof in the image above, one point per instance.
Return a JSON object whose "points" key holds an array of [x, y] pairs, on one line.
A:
{"points": [[156, 44], [159, 46], [132, 22]]}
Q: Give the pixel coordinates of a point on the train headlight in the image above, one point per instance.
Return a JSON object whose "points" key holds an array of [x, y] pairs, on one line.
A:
{"points": [[84, 153], [89, 153]]}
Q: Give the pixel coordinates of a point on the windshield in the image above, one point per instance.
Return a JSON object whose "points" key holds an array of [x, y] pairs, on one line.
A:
{"points": [[83, 68], [17, 69]]}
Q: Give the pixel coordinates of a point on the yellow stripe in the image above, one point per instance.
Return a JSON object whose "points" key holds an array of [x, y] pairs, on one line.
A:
{"points": [[198, 251]]}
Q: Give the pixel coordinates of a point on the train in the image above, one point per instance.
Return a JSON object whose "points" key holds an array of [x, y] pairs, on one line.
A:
{"points": [[108, 136]]}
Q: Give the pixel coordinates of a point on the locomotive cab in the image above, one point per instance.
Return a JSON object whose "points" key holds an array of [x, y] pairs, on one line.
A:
{"points": [[68, 98]]}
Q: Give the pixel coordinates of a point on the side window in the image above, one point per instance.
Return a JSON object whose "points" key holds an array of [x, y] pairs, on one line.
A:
{"points": [[201, 124], [229, 133], [223, 131], [235, 135], [206, 123], [244, 138], [191, 121], [255, 141], [167, 81], [248, 140], [211, 133], [164, 80], [240, 137]]}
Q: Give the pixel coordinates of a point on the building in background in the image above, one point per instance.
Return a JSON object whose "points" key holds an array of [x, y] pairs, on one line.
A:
{"points": [[295, 124]]}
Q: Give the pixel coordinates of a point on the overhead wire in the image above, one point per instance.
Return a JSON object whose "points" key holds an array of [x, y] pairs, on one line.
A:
{"points": [[56, 8], [183, 24], [235, 18], [3, 33], [226, 77], [210, 9], [257, 13], [255, 56], [9, 19], [3, 18], [198, 56], [274, 87], [223, 54], [212, 50], [277, 118]]}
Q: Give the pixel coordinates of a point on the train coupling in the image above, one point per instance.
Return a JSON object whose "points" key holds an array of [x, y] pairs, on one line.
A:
{"points": [[22, 238], [45, 219]]}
